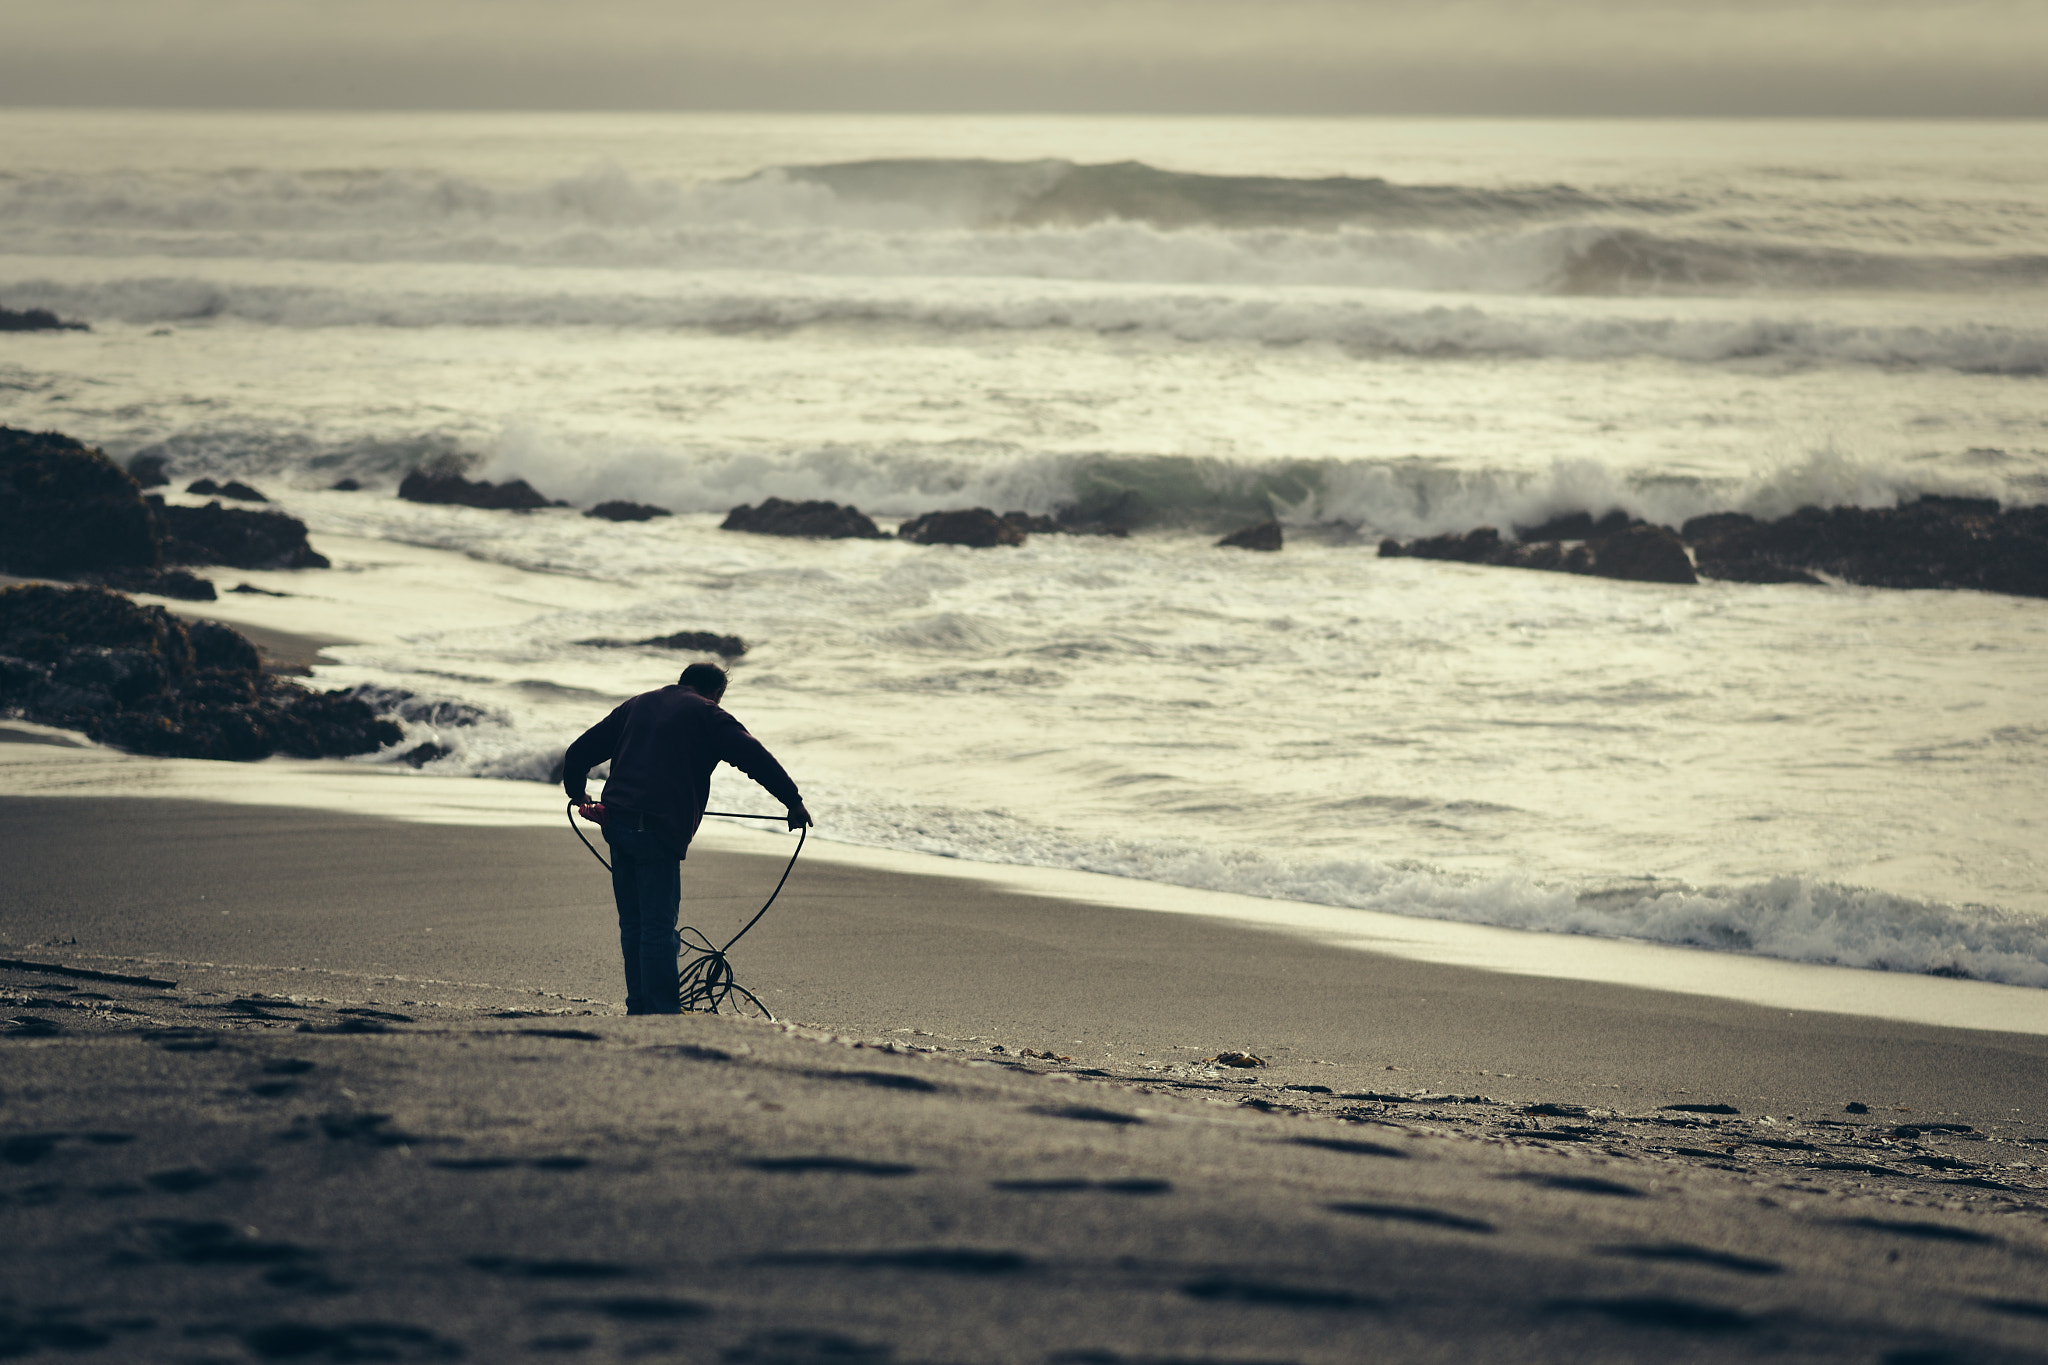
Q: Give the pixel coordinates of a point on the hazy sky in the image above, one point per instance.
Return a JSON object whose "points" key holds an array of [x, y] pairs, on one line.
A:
{"points": [[1850, 57]]}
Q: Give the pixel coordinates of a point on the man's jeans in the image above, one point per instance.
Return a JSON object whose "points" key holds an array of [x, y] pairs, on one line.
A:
{"points": [[647, 883]]}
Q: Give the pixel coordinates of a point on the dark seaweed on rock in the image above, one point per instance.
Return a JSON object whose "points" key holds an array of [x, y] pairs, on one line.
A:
{"points": [[139, 679], [822, 520]]}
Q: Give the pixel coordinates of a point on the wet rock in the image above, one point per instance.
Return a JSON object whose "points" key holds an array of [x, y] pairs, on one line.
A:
{"points": [[822, 520], [220, 646], [1642, 554], [138, 678], [1478, 546], [233, 488], [37, 320], [186, 587], [422, 754], [240, 539], [1634, 551], [1034, 526], [40, 622], [695, 641], [1576, 526], [1263, 536], [628, 511], [449, 488], [1932, 542], [699, 641], [66, 509], [148, 471], [975, 527], [347, 486]]}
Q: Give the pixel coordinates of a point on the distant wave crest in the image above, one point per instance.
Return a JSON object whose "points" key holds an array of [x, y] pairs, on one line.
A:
{"points": [[1053, 220], [1367, 325]]}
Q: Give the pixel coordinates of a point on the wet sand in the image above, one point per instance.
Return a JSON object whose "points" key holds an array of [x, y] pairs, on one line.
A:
{"points": [[388, 1094]]}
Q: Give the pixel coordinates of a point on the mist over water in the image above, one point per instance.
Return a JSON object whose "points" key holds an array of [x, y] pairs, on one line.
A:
{"points": [[1363, 328]]}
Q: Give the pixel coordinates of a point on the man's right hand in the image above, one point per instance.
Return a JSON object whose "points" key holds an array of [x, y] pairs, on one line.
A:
{"points": [[799, 818]]}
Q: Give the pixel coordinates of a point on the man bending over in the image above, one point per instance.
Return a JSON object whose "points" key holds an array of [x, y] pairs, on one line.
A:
{"points": [[662, 746]]}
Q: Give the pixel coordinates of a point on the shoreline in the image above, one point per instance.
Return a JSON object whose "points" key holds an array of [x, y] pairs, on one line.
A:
{"points": [[276, 892], [88, 771]]}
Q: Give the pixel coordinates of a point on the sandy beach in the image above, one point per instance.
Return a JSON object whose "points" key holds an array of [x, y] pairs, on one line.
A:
{"points": [[285, 1084]]}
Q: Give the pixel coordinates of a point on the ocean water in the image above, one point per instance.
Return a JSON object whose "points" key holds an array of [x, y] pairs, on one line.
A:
{"points": [[1366, 327]]}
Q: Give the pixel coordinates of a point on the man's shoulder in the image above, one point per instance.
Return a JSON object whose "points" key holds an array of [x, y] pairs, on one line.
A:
{"points": [[677, 700]]}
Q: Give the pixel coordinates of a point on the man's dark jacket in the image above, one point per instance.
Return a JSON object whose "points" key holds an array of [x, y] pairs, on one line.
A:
{"points": [[663, 746]]}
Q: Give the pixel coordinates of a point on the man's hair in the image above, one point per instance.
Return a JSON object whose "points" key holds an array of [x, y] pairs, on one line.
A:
{"points": [[706, 680]]}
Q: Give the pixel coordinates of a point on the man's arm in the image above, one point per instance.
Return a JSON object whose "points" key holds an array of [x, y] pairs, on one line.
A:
{"points": [[591, 748], [751, 757]]}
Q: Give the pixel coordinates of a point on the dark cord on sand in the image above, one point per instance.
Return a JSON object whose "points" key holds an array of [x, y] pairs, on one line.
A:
{"points": [[704, 980]]}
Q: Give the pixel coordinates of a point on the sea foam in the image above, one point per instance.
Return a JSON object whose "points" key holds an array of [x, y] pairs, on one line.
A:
{"points": [[1369, 325]]}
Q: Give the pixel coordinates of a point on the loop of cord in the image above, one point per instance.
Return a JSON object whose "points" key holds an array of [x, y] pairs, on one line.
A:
{"points": [[704, 979]]}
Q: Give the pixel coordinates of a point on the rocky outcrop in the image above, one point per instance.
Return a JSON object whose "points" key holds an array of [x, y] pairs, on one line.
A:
{"points": [[240, 539], [233, 488], [1635, 551], [186, 587], [821, 520], [447, 487], [347, 486], [66, 509], [37, 320], [627, 511], [140, 679], [694, 641], [1932, 542], [975, 527], [1263, 536]]}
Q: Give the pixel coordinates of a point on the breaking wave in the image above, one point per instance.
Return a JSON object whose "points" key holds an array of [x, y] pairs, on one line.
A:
{"points": [[1793, 918], [1404, 498], [1379, 324], [1042, 220]]}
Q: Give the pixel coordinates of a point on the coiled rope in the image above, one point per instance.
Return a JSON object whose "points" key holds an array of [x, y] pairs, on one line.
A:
{"points": [[704, 977]]}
